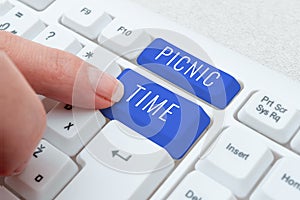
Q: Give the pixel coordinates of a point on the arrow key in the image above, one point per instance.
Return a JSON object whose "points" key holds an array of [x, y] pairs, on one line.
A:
{"points": [[119, 158], [121, 148]]}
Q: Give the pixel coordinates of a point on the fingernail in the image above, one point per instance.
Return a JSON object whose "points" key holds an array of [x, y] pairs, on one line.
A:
{"points": [[118, 92], [105, 85]]}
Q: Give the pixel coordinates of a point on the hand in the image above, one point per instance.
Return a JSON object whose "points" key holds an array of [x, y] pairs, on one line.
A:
{"points": [[27, 69]]}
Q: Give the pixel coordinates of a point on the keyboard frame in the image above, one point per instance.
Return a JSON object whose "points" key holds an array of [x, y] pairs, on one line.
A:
{"points": [[240, 67]]}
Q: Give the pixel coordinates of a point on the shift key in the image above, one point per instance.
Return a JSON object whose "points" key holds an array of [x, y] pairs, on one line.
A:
{"points": [[190, 73], [158, 114]]}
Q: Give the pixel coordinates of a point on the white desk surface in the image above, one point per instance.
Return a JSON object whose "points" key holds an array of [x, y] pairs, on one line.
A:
{"points": [[267, 31]]}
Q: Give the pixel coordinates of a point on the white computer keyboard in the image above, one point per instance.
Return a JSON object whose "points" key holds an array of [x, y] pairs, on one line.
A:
{"points": [[197, 121]]}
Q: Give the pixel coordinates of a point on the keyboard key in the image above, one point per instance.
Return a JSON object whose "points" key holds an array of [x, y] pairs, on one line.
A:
{"points": [[7, 195], [56, 37], [190, 73], [119, 164], [87, 19], [70, 128], [5, 6], [158, 114], [295, 143], [38, 5], [282, 182], [100, 58], [22, 23], [237, 160], [46, 174], [48, 103], [198, 186], [270, 116], [124, 39]]}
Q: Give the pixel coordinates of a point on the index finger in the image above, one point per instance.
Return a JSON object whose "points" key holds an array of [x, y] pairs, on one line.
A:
{"points": [[55, 74]]}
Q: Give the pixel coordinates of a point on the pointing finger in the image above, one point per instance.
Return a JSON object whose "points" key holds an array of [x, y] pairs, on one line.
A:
{"points": [[58, 74]]}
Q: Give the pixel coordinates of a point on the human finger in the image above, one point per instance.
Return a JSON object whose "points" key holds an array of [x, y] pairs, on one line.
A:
{"points": [[22, 119], [61, 75]]}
